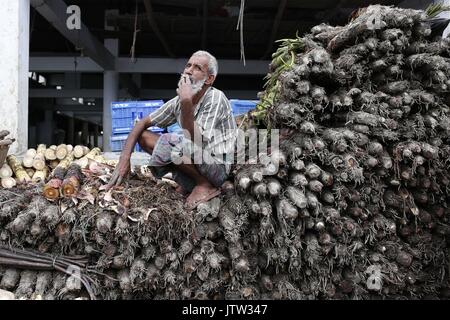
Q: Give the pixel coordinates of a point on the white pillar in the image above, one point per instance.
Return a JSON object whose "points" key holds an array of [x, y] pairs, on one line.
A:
{"points": [[110, 94], [14, 57]]}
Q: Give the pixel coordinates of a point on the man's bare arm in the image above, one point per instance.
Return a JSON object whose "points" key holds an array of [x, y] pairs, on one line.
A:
{"points": [[123, 167], [134, 135]]}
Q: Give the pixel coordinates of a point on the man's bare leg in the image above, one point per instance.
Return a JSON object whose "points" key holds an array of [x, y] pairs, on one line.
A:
{"points": [[148, 140], [202, 188]]}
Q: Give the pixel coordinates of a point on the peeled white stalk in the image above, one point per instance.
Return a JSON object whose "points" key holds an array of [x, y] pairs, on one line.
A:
{"points": [[61, 151], [6, 171], [40, 175], [80, 151], [50, 153], [30, 153], [8, 182], [28, 161], [39, 158], [30, 171]]}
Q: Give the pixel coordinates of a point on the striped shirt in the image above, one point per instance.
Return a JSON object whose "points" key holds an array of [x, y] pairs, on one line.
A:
{"points": [[212, 115]]}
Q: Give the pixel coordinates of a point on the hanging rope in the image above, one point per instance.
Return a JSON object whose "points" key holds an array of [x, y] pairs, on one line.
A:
{"points": [[133, 47], [240, 27]]}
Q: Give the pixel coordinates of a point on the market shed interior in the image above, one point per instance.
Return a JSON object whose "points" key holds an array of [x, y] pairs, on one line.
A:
{"points": [[135, 50]]}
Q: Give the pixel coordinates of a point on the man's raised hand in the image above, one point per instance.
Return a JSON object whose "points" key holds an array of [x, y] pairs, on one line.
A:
{"points": [[185, 88]]}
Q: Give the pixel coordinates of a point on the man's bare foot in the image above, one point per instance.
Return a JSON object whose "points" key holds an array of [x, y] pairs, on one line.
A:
{"points": [[201, 193]]}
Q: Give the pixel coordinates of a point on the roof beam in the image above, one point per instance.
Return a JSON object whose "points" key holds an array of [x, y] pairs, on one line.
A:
{"points": [[144, 94], [276, 24], [153, 24], [66, 93], [55, 12], [144, 65], [72, 108], [64, 64]]}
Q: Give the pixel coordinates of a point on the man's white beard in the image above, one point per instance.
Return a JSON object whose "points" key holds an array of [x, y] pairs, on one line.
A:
{"points": [[196, 86]]}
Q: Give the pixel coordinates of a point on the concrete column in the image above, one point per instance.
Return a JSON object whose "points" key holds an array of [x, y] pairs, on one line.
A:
{"points": [[46, 128], [32, 136], [110, 85], [70, 129], [110, 94], [14, 59], [95, 135], [77, 134], [85, 133]]}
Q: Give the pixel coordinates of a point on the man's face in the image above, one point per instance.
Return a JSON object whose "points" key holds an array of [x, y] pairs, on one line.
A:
{"points": [[197, 71], [197, 68]]}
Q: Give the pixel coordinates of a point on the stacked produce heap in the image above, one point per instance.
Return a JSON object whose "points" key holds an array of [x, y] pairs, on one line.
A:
{"points": [[357, 209]]}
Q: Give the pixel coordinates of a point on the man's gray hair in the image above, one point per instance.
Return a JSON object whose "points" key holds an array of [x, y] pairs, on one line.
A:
{"points": [[213, 66]]}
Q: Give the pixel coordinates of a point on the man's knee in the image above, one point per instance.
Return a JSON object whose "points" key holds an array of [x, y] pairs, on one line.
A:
{"points": [[147, 140], [141, 139]]}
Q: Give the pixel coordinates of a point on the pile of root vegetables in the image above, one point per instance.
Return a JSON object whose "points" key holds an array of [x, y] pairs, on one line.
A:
{"points": [[137, 242], [353, 205], [359, 207]]}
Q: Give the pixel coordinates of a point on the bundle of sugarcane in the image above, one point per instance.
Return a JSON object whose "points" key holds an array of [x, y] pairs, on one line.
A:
{"points": [[43, 163], [37, 163]]}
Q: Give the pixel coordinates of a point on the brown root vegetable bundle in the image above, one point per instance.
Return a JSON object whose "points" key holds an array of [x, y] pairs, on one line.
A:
{"points": [[72, 180], [365, 157], [52, 188]]}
